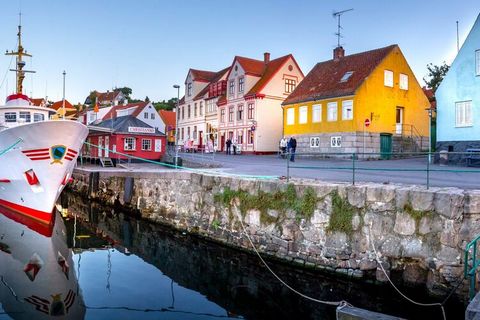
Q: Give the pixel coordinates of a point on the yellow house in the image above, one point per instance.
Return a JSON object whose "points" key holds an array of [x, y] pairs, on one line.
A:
{"points": [[329, 109]]}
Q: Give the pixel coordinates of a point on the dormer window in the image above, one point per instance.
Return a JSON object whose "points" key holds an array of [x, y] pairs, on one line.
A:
{"points": [[232, 87], [241, 84], [189, 89], [346, 76]]}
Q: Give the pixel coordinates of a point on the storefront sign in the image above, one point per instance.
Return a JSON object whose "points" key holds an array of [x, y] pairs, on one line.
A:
{"points": [[141, 130]]}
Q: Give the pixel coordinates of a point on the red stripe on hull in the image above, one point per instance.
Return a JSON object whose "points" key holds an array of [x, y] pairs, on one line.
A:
{"points": [[72, 151], [68, 158], [5, 180], [44, 228], [36, 150], [39, 158], [40, 216]]}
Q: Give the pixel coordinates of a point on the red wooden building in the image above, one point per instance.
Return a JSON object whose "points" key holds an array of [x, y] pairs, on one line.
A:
{"points": [[126, 135]]}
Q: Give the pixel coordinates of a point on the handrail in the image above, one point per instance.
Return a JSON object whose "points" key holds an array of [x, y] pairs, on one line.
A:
{"points": [[472, 272]]}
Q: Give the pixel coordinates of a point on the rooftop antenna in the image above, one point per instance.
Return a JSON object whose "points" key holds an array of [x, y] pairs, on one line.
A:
{"points": [[337, 15]]}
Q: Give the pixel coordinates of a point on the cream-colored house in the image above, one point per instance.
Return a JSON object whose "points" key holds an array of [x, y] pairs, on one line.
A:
{"points": [[250, 113]]}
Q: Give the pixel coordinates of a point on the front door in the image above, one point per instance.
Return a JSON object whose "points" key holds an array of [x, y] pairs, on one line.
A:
{"points": [[107, 146], [399, 120], [200, 139], [222, 143]]}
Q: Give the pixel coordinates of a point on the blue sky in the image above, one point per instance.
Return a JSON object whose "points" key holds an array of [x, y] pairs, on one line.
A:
{"points": [[149, 45]]}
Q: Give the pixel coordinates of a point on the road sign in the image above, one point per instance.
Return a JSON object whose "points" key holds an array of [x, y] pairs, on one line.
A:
{"points": [[367, 122]]}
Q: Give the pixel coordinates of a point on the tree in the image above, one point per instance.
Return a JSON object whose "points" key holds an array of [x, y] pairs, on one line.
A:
{"points": [[165, 105], [435, 75], [126, 92], [147, 99]]}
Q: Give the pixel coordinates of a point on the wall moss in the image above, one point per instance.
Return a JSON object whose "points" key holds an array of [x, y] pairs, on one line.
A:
{"points": [[342, 215], [280, 201]]}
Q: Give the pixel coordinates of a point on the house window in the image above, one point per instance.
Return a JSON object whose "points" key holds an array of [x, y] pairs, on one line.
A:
{"points": [[37, 117], [240, 113], [347, 110], [188, 133], [25, 115], [403, 81], [194, 132], [250, 136], [241, 82], [290, 85], [317, 113], [463, 114], [195, 110], [477, 62], [290, 116], [188, 111], [189, 89], [146, 144], [201, 108], [240, 137], [129, 144], [251, 110], [315, 142], [10, 117], [232, 87], [222, 115], [332, 111], [230, 114], [183, 133], [388, 78], [335, 142], [303, 112], [183, 113], [152, 116], [346, 76]]}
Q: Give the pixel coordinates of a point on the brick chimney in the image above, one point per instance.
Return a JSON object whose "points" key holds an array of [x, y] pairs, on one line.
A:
{"points": [[266, 57], [338, 53]]}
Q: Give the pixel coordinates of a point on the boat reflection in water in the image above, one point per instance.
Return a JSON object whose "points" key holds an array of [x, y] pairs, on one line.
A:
{"points": [[37, 278]]}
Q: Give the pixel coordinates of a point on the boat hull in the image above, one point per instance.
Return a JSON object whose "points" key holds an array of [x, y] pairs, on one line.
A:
{"points": [[37, 163]]}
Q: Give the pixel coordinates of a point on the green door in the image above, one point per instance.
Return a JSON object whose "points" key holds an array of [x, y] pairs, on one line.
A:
{"points": [[385, 146]]}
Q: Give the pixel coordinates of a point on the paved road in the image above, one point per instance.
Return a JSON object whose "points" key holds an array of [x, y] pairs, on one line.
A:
{"points": [[381, 171]]}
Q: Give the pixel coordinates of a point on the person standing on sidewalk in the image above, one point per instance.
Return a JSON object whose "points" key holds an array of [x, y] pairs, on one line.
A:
{"points": [[283, 147], [229, 144], [292, 147]]}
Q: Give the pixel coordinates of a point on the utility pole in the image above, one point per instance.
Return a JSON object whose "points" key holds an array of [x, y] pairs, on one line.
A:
{"points": [[458, 42], [337, 15], [176, 86], [63, 102]]}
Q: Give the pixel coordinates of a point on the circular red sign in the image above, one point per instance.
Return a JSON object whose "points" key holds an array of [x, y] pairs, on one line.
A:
{"points": [[367, 122]]}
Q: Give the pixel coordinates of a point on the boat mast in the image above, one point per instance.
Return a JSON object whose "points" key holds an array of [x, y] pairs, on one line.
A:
{"points": [[20, 53]]}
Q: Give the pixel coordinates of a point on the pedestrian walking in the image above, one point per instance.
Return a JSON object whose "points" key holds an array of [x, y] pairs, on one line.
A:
{"points": [[283, 147], [292, 147], [229, 144], [234, 146]]}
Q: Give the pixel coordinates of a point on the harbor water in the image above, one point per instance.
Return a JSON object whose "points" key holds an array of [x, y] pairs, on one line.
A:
{"points": [[100, 263]]}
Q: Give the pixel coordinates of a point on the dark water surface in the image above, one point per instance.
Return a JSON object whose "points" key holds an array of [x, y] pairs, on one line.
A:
{"points": [[108, 265]]}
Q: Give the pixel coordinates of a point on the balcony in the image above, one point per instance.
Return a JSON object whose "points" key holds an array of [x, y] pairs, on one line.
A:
{"points": [[217, 89]]}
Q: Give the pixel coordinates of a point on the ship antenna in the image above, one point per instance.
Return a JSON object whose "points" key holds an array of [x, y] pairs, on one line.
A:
{"points": [[20, 53]]}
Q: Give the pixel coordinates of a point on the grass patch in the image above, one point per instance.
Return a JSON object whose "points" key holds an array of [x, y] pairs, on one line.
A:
{"points": [[342, 215], [280, 201]]}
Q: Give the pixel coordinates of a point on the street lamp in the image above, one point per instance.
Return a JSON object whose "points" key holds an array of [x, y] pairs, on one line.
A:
{"points": [[63, 103], [176, 86]]}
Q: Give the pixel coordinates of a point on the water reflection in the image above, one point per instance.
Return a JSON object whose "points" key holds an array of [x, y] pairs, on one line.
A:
{"points": [[131, 269], [36, 273]]}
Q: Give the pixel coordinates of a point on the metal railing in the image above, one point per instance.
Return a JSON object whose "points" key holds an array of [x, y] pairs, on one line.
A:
{"points": [[470, 269], [356, 162]]}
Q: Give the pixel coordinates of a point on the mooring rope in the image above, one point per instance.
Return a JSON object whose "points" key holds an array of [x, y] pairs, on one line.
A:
{"points": [[435, 304], [341, 303], [10, 147], [181, 167]]}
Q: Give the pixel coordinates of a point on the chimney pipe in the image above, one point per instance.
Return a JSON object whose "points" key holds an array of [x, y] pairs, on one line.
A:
{"points": [[338, 53], [266, 57]]}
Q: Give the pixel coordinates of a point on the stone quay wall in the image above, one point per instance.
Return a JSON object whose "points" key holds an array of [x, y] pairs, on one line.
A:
{"points": [[419, 234]]}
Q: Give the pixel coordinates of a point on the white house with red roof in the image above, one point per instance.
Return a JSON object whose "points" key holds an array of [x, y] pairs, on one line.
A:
{"points": [[250, 112], [143, 111]]}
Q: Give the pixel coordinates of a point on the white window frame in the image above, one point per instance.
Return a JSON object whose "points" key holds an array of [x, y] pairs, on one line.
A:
{"points": [[388, 78], [314, 142], [149, 143], [145, 115], [25, 115], [345, 105], [126, 144], [290, 116], [332, 106], [317, 113], [303, 115], [10, 117], [403, 81], [477, 62], [336, 142], [231, 87], [463, 114]]}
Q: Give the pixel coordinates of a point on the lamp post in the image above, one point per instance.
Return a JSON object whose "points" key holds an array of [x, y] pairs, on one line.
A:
{"points": [[176, 86], [63, 102], [430, 114]]}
